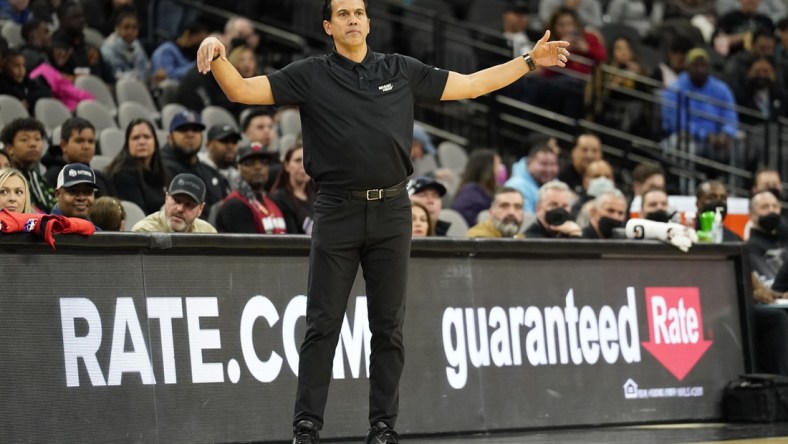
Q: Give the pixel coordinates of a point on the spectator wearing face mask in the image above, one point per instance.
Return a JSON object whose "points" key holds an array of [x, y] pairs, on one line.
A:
{"points": [[768, 237], [608, 212], [553, 218], [654, 206], [709, 196]]}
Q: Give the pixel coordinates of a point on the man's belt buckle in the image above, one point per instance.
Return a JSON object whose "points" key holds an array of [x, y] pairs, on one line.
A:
{"points": [[375, 194]]}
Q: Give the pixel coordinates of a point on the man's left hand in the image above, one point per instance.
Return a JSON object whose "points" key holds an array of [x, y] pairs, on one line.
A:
{"points": [[547, 53]]}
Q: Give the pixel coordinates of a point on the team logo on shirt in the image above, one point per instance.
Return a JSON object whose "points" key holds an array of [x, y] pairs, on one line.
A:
{"points": [[386, 88]]}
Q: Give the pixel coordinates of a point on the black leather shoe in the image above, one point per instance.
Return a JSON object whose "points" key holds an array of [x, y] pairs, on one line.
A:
{"points": [[305, 432], [381, 433]]}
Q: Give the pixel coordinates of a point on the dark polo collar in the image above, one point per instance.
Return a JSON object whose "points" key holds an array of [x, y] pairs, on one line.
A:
{"points": [[346, 63]]}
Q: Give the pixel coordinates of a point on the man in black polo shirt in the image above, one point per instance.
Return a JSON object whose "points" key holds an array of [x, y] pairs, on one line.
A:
{"points": [[357, 116]]}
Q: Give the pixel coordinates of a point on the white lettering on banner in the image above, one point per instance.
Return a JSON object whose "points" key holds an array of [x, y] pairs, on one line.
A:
{"points": [[200, 339], [357, 342], [295, 309], [259, 307], [674, 325], [165, 310], [135, 361], [555, 335], [84, 347], [353, 347]]}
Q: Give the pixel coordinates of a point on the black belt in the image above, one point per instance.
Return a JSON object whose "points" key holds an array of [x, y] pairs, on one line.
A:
{"points": [[379, 193]]}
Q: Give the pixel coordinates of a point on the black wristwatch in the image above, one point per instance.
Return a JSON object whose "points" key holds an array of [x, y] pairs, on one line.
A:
{"points": [[529, 61]]}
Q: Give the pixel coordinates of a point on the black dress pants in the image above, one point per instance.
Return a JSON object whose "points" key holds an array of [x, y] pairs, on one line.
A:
{"points": [[347, 232]]}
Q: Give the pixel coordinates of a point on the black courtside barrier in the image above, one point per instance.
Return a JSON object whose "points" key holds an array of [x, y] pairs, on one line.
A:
{"points": [[189, 338]]}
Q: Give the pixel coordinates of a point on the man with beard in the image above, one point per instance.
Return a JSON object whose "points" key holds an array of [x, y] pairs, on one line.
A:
{"points": [[608, 212], [180, 155], [530, 173], [248, 209], [553, 218], [506, 216], [712, 124], [184, 202], [178, 57], [220, 151], [709, 196]]}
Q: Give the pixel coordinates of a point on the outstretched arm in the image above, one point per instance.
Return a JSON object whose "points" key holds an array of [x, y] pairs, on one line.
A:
{"points": [[468, 86], [212, 57]]}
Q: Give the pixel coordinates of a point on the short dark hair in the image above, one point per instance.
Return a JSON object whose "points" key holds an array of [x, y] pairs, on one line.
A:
{"points": [[645, 170], [11, 52], [21, 124], [194, 27], [62, 10], [762, 170], [122, 13], [700, 191], [73, 124], [541, 148], [256, 112], [30, 26], [647, 192], [782, 25], [327, 9]]}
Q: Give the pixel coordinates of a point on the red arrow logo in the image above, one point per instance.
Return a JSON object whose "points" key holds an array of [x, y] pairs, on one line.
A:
{"points": [[675, 322]]}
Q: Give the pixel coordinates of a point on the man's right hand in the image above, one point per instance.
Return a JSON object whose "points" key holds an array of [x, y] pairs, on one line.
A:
{"points": [[568, 229], [209, 48]]}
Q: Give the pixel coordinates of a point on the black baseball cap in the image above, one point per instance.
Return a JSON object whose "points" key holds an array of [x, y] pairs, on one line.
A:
{"points": [[188, 184], [222, 132], [255, 149], [420, 184], [75, 174]]}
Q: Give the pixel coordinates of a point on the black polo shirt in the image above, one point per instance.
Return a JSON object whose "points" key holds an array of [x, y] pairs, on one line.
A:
{"points": [[357, 118]]}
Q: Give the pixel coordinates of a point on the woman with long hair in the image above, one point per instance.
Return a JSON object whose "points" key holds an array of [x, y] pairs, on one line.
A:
{"points": [[478, 184], [294, 192], [14, 191], [137, 172], [422, 223]]}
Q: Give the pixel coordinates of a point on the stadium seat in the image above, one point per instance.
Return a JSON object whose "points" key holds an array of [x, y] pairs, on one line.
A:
{"points": [[168, 112], [216, 115], [133, 90], [458, 228], [134, 214], [97, 114], [129, 111], [11, 108], [111, 141], [51, 112], [99, 89]]}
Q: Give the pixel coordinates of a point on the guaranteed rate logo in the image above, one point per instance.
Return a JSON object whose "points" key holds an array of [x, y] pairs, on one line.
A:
{"points": [[581, 335], [544, 336], [675, 325]]}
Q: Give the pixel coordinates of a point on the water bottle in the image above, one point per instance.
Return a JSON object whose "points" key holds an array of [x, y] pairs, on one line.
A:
{"points": [[716, 232], [706, 226]]}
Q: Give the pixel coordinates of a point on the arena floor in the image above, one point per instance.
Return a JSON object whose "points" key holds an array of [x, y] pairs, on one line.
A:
{"points": [[703, 433], [656, 434]]}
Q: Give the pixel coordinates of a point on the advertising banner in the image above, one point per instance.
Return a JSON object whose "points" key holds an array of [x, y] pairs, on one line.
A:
{"points": [[144, 346]]}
